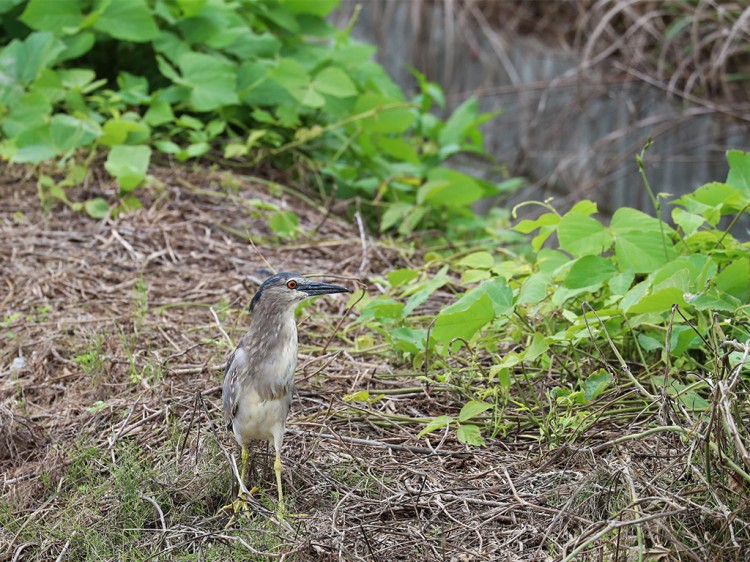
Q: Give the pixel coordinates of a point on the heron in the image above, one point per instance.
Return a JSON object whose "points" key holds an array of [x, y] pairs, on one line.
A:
{"points": [[259, 375]]}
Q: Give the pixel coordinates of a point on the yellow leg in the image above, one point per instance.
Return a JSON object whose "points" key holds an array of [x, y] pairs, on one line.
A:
{"points": [[243, 473], [240, 505], [277, 470]]}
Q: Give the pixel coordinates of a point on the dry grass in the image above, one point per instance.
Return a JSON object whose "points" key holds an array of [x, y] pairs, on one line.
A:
{"points": [[699, 50], [111, 446]]}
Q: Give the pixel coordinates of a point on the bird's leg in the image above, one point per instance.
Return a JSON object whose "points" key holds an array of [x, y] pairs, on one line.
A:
{"points": [[240, 504], [278, 439], [243, 472], [243, 475], [277, 470]]}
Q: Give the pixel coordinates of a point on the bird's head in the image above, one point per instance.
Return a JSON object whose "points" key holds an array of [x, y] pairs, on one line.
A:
{"points": [[285, 290]]}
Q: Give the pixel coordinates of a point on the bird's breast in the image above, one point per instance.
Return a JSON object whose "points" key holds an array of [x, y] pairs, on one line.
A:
{"points": [[258, 418], [265, 363]]}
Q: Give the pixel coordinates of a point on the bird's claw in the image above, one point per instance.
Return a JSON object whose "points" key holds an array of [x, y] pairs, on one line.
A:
{"points": [[240, 505]]}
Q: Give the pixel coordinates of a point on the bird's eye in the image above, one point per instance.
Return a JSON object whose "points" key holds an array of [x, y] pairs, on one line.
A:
{"points": [[292, 284]]}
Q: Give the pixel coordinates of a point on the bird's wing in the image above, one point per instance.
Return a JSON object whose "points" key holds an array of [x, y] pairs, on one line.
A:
{"points": [[236, 364]]}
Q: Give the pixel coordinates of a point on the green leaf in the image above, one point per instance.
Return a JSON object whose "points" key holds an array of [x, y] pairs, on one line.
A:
{"points": [[124, 131], [130, 203], [316, 7], [159, 113], [449, 188], [212, 81], [659, 301], [386, 118], [191, 8], [620, 283], [96, 208], [235, 150], [635, 294], [8, 5], [398, 148], [408, 340], [649, 343], [25, 60], [549, 261], [472, 311], [288, 73], [639, 242], [470, 435], [596, 383], [739, 170], [282, 17], [472, 409], [77, 45], [713, 200], [128, 164], [478, 260], [534, 288], [423, 293], [582, 235], [252, 74], [529, 226], [501, 295], [30, 112], [395, 213], [689, 273], [589, 272], [167, 147], [538, 347], [362, 396], [434, 424], [311, 98], [401, 276], [97, 407], [334, 82], [412, 220], [63, 134], [475, 275], [735, 279], [382, 308], [284, 223], [463, 125], [128, 20], [714, 300], [54, 16], [133, 89], [689, 222], [584, 207]]}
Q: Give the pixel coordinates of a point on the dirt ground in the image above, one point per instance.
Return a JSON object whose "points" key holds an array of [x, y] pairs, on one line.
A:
{"points": [[114, 336]]}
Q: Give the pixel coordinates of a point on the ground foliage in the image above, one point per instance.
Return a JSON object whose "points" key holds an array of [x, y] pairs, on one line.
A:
{"points": [[579, 393], [249, 82], [113, 327]]}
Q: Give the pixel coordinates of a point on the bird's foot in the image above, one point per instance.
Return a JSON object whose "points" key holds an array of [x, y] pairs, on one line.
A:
{"points": [[283, 514], [281, 510], [239, 506]]}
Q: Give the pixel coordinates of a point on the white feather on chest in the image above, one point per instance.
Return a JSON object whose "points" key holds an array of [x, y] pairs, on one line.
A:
{"points": [[262, 407], [259, 419]]}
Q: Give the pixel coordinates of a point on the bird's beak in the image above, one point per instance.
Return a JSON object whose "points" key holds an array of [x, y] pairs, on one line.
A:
{"points": [[314, 288]]}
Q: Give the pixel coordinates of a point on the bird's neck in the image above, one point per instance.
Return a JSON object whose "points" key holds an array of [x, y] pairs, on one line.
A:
{"points": [[277, 321]]}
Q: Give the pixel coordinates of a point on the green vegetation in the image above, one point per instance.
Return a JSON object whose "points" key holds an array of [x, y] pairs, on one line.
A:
{"points": [[544, 326], [273, 82], [634, 292], [244, 82], [112, 505]]}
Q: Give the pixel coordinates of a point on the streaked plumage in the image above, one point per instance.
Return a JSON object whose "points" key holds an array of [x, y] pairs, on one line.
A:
{"points": [[259, 376]]}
